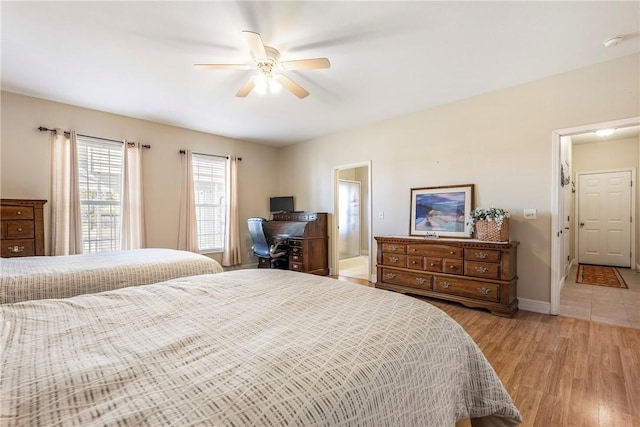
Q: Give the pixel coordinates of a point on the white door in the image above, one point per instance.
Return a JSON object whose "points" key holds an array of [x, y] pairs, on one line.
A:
{"points": [[349, 218], [604, 218]]}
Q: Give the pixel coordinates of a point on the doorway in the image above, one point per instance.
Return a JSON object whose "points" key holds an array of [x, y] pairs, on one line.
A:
{"points": [[561, 207], [352, 222]]}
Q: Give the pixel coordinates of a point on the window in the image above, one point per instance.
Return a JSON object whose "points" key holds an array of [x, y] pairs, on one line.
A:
{"points": [[209, 178], [100, 182]]}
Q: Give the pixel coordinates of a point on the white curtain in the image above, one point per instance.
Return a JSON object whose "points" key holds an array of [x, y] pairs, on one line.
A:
{"points": [[133, 234], [232, 254], [65, 221], [188, 228]]}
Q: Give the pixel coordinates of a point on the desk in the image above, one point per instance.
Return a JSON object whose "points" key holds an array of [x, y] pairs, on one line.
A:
{"points": [[306, 233]]}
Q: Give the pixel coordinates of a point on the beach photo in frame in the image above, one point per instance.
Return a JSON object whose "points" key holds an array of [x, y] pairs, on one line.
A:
{"points": [[441, 211]]}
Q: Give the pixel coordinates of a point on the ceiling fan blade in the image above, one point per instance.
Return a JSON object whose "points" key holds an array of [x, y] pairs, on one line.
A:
{"points": [[306, 64], [246, 88], [255, 44], [221, 66], [291, 86]]}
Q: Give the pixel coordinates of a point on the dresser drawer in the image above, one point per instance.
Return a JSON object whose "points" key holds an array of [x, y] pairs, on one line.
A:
{"points": [[405, 278], [16, 212], [438, 251], [482, 269], [452, 266], [18, 229], [433, 264], [395, 260], [17, 247], [482, 255], [467, 288], [415, 262], [394, 248]]}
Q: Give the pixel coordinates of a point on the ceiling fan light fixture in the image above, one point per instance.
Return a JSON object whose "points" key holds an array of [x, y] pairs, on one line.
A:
{"points": [[261, 84], [604, 132]]}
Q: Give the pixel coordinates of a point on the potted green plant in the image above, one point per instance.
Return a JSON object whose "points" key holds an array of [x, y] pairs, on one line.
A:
{"points": [[491, 224]]}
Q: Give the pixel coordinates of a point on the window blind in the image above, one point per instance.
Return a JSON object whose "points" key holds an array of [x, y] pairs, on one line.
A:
{"points": [[100, 181], [209, 176]]}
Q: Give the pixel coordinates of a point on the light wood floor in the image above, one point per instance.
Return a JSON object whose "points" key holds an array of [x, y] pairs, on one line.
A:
{"points": [[560, 371]]}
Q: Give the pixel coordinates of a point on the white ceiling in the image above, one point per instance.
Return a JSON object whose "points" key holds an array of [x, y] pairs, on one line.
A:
{"points": [[387, 58]]}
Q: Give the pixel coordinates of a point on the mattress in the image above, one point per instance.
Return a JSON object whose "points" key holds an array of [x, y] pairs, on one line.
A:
{"points": [[30, 278], [243, 348]]}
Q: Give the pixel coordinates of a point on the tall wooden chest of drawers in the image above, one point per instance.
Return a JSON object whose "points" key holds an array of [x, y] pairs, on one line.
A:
{"points": [[472, 272], [22, 231]]}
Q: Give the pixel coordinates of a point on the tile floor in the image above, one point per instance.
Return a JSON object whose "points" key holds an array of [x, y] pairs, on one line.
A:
{"points": [[356, 267], [620, 307]]}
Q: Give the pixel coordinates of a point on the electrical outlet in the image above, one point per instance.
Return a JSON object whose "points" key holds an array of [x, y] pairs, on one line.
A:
{"points": [[529, 213]]}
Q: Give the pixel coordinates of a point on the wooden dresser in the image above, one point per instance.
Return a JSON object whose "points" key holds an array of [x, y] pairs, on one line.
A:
{"points": [[22, 227], [307, 235], [472, 272]]}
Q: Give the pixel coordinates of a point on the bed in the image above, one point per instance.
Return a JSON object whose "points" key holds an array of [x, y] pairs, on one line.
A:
{"points": [[30, 278], [243, 348]]}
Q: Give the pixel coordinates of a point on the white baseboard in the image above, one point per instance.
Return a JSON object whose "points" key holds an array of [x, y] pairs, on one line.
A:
{"points": [[534, 306]]}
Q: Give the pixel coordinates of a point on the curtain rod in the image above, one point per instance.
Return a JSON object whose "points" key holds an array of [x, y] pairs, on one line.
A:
{"points": [[212, 155], [44, 129]]}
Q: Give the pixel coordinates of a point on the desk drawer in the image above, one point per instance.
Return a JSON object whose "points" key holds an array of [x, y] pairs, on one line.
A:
{"points": [[295, 258], [295, 266]]}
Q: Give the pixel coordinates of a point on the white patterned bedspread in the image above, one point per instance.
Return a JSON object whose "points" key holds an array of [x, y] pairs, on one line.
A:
{"points": [[243, 348], [42, 277]]}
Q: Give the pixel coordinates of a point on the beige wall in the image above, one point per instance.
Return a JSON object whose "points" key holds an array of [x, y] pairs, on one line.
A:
{"points": [[499, 141], [608, 155], [24, 161]]}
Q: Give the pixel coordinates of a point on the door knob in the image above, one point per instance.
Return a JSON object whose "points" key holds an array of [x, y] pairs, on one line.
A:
{"points": [[582, 224]]}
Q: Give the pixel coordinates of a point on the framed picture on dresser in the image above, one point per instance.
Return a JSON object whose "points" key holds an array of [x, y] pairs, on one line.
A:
{"points": [[441, 211]]}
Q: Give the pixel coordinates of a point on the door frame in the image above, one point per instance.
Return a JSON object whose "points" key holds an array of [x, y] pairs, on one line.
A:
{"points": [[556, 225], [632, 228], [335, 256]]}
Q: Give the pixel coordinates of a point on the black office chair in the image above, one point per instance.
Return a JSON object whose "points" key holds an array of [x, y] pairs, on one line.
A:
{"points": [[270, 254]]}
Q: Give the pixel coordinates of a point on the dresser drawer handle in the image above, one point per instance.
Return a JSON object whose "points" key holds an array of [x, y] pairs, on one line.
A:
{"points": [[19, 213], [481, 269], [420, 280], [391, 276], [484, 291], [452, 267], [481, 255], [393, 248], [414, 262], [296, 250], [433, 264], [451, 252], [15, 249], [413, 249], [20, 229], [394, 259], [445, 285]]}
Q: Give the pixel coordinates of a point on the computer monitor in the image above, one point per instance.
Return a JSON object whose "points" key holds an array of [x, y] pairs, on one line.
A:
{"points": [[281, 204]]}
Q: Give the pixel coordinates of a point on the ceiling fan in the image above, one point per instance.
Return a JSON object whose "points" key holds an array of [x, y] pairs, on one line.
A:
{"points": [[267, 61]]}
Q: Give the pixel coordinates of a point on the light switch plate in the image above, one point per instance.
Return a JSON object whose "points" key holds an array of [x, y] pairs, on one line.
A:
{"points": [[529, 213]]}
